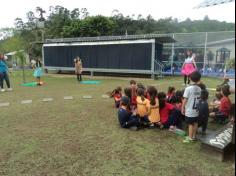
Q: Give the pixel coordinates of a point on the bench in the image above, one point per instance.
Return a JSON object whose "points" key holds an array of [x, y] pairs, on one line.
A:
{"points": [[219, 144]]}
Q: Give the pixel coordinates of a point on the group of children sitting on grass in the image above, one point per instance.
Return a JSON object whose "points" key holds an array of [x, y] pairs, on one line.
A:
{"points": [[142, 106]]}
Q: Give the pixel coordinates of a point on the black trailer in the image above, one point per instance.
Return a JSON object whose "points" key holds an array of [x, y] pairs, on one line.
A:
{"points": [[114, 54]]}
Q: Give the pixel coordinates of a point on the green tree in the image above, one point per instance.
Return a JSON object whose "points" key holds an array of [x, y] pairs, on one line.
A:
{"points": [[230, 63], [16, 43], [96, 26], [20, 55], [57, 19]]}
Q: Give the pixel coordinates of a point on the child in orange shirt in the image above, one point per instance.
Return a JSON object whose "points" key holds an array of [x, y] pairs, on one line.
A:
{"points": [[153, 108], [142, 107]]}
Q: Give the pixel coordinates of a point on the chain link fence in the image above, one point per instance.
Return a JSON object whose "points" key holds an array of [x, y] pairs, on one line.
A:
{"points": [[213, 50]]}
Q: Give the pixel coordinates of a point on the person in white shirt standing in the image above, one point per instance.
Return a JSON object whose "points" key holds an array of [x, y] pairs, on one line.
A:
{"points": [[192, 96]]}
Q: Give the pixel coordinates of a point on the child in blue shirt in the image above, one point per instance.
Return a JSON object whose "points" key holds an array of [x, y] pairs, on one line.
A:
{"points": [[125, 117]]}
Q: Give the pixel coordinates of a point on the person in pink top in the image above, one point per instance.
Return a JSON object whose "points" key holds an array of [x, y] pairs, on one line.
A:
{"points": [[189, 66]]}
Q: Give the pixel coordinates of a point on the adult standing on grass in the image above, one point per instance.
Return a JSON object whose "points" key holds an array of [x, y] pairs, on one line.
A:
{"points": [[189, 66], [4, 74], [78, 68]]}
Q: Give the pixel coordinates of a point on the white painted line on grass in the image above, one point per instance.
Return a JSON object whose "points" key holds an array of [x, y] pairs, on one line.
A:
{"points": [[105, 96], [26, 101], [87, 97], [47, 99], [4, 104], [212, 89], [68, 98]]}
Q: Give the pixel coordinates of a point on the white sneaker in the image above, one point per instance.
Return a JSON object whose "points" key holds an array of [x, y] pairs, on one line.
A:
{"points": [[9, 89], [3, 90]]}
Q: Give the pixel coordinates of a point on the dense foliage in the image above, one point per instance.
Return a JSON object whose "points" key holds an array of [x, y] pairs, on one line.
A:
{"points": [[62, 22]]}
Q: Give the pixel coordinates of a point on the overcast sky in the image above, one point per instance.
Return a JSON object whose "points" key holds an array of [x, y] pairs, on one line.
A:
{"points": [[180, 9]]}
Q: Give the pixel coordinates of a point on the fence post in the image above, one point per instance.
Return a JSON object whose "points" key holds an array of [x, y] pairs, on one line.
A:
{"points": [[205, 54], [172, 55]]}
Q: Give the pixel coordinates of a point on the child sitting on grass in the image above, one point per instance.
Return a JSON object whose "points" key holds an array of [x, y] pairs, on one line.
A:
{"points": [[222, 114], [125, 117], [116, 94], [153, 108], [142, 107], [189, 109], [140, 85], [127, 93], [203, 109], [215, 104], [133, 86], [170, 93], [166, 110], [176, 101]]}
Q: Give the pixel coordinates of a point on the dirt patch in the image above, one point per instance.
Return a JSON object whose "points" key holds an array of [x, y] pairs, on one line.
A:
{"points": [[4, 157], [188, 170], [72, 148]]}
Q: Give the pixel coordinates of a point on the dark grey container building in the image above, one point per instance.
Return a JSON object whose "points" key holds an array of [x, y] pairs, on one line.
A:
{"points": [[115, 54]]}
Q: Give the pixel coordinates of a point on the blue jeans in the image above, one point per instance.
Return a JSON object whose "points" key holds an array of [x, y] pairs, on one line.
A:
{"points": [[175, 119], [4, 76], [203, 122], [133, 121]]}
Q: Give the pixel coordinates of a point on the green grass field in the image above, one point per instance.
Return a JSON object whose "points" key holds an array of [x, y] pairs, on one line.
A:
{"points": [[82, 136]]}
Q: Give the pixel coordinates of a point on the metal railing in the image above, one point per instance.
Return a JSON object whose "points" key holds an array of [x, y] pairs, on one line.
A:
{"points": [[158, 68]]}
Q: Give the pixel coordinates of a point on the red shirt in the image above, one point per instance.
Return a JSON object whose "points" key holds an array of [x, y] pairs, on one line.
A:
{"points": [[133, 96], [165, 112], [148, 97], [117, 96], [225, 105], [178, 106], [133, 100]]}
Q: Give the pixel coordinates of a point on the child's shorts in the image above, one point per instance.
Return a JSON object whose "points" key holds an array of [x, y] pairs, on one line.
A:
{"points": [[191, 120], [220, 117]]}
